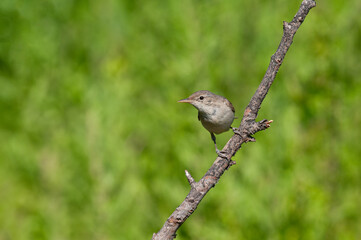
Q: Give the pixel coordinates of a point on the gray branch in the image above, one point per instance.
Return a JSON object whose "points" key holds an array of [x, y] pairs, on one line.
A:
{"points": [[247, 128]]}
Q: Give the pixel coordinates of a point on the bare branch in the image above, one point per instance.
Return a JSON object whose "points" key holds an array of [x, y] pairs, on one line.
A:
{"points": [[247, 128], [190, 179]]}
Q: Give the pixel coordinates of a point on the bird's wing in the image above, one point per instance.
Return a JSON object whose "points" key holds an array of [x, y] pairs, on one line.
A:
{"points": [[229, 104]]}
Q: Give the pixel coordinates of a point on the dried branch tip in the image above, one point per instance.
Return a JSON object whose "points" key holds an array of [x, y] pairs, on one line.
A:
{"points": [[190, 179], [231, 163], [268, 123], [250, 139]]}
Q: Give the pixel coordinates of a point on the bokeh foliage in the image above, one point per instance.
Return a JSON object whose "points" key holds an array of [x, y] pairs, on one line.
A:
{"points": [[94, 144]]}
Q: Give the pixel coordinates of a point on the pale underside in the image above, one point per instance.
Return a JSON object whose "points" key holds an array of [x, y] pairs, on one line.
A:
{"points": [[219, 120]]}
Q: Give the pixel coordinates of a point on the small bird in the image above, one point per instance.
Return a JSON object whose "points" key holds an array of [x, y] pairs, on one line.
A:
{"points": [[215, 112]]}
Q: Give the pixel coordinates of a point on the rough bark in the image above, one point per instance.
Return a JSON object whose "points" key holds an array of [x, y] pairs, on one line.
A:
{"points": [[247, 128]]}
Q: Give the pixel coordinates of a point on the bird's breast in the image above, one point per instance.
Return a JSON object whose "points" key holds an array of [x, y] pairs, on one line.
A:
{"points": [[217, 120]]}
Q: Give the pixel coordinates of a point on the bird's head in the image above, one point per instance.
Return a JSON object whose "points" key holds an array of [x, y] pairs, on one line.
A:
{"points": [[201, 99]]}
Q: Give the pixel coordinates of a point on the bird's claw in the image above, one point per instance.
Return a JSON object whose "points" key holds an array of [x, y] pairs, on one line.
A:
{"points": [[236, 131], [221, 154]]}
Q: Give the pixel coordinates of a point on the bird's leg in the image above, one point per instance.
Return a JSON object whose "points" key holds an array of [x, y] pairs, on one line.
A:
{"points": [[220, 153]]}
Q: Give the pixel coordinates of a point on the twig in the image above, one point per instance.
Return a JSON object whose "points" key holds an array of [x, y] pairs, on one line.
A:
{"points": [[247, 128]]}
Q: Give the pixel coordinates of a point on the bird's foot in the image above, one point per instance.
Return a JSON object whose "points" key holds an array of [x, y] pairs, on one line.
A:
{"points": [[221, 154], [236, 131]]}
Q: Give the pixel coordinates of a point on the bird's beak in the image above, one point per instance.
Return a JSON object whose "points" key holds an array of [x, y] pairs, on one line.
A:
{"points": [[186, 100]]}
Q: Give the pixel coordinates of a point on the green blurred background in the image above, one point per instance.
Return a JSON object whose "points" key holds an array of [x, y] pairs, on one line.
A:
{"points": [[94, 144]]}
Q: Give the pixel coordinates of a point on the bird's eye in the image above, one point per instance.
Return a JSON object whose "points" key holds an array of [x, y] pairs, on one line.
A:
{"points": [[201, 97]]}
